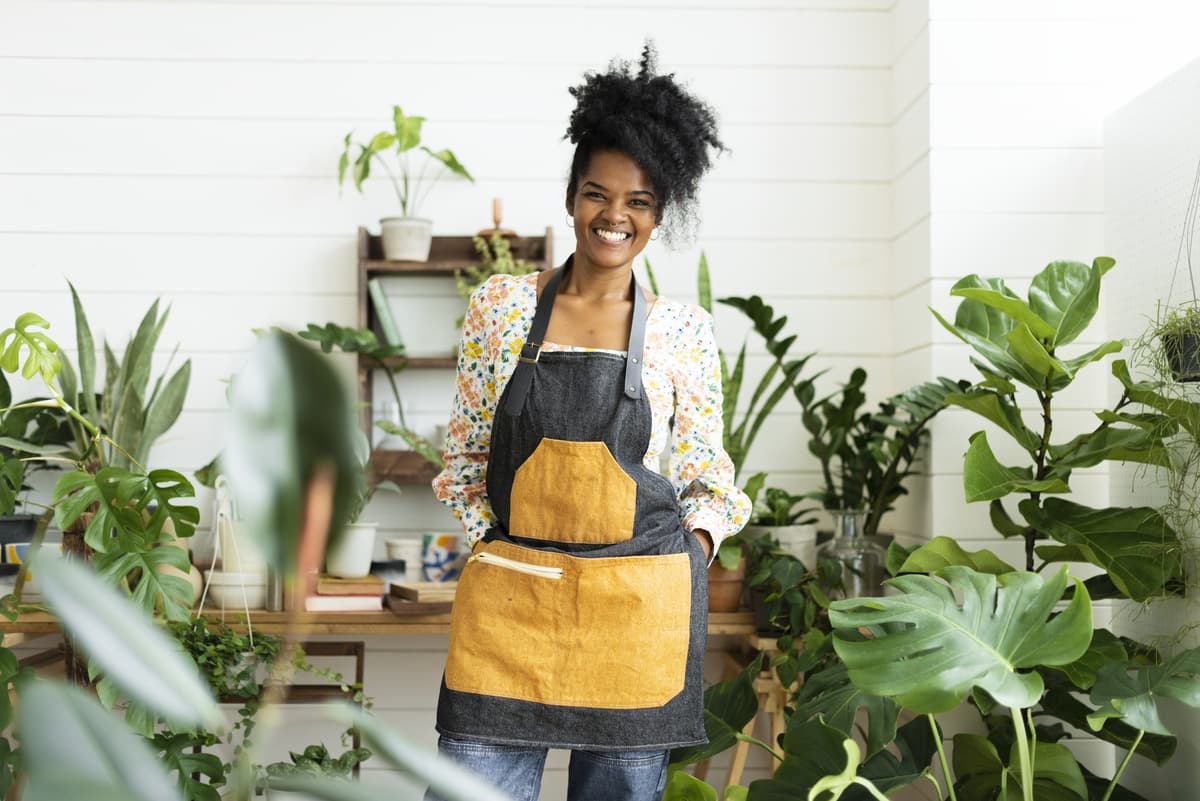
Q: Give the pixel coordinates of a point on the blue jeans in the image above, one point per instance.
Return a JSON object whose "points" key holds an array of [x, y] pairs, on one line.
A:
{"points": [[592, 775]]}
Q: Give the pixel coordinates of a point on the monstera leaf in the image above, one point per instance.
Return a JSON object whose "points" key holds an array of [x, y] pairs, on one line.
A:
{"points": [[1132, 693], [728, 707], [928, 651]]}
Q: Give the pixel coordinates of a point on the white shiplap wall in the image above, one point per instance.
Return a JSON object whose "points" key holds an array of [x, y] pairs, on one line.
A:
{"points": [[186, 150], [1151, 148]]}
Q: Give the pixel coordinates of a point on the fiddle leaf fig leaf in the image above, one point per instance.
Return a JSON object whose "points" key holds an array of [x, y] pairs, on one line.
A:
{"points": [[41, 350], [1033, 354], [985, 479], [943, 552], [1095, 354], [928, 650], [1066, 294], [1139, 550], [1000, 410], [1140, 445], [1002, 522], [1183, 412], [1131, 692], [1004, 300]]}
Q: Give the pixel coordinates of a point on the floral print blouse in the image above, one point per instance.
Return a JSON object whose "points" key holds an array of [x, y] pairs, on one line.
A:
{"points": [[681, 375]]}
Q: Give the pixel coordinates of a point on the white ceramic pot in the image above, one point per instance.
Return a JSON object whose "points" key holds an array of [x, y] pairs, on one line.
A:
{"points": [[236, 590], [351, 556], [237, 550], [800, 541], [406, 238]]}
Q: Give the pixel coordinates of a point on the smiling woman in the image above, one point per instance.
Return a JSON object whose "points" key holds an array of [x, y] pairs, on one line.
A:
{"points": [[580, 617]]}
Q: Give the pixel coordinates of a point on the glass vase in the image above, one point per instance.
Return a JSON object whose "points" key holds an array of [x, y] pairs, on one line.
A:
{"points": [[862, 560]]}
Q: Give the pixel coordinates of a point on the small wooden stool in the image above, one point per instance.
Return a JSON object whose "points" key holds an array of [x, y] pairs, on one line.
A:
{"points": [[772, 698]]}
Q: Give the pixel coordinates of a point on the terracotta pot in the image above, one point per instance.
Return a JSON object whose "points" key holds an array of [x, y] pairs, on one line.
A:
{"points": [[725, 587]]}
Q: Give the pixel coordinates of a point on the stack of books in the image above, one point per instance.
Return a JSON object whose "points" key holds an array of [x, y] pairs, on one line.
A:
{"points": [[347, 595]]}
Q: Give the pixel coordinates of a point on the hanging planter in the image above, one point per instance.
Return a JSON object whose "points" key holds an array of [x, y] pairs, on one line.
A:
{"points": [[1182, 350], [1177, 328]]}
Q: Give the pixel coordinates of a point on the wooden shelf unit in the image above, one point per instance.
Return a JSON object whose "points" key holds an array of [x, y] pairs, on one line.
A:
{"points": [[447, 255]]}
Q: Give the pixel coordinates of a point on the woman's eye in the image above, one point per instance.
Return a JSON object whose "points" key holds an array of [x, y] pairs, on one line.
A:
{"points": [[594, 196]]}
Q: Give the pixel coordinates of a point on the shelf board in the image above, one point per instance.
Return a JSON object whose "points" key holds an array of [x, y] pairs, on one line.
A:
{"points": [[403, 467], [413, 362]]}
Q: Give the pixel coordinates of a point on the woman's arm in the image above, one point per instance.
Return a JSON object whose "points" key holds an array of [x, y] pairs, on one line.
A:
{"points": [[700, 469], [462, 484]]}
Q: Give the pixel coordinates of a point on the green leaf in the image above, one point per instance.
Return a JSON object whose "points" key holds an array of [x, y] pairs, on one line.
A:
{"points": [[1131, 692], [1066, 294], [728, 707], [164, 410], [444, 776], [847, 777], [73, 748], [831, 695], [812, 751], [682, 786], [1005, 301], [977, 764], [1112, 444], [1183, 412], [985, 479], [291, 416], [929, 651], [450, 161], [1002, 522], [1095, 354], [1000, 410], [41, 358], [145, 663], [1105, 648], [1033, 354], [1062, 704], [916, 746], [943, 552], [408, 130], [1139, 550], [704, 284]]}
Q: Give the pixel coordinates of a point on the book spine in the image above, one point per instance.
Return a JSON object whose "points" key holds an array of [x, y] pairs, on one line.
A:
{"points": [[383, 313]]}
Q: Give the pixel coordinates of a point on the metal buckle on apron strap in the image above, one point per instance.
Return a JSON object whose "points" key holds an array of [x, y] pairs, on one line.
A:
{"points": [[530, 352]]}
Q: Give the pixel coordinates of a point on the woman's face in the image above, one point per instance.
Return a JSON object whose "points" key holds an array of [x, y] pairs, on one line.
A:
{"points": [[615, 211]]}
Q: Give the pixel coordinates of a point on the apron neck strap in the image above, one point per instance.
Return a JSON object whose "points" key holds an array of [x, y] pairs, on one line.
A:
{"points": [[522, 376]]}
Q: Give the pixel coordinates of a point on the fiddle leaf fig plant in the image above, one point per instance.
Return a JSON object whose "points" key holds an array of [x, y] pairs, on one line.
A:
{"points": [[1024, 345]]}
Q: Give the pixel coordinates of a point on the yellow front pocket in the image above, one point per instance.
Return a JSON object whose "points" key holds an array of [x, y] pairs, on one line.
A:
{"points": [[572, 492], [609, 633]]}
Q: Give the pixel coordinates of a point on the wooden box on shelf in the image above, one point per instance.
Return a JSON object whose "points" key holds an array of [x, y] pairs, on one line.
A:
{"points": [[447, 255]]}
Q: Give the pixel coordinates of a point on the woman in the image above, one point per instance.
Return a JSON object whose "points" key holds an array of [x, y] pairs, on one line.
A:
{"points": [[580, 618]]}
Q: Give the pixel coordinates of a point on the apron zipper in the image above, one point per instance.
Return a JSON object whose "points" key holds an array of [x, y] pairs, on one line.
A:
{"points": [[513, 564]]}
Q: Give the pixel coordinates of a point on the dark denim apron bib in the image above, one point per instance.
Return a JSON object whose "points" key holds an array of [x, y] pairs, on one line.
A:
{"points": [[580, 619]]}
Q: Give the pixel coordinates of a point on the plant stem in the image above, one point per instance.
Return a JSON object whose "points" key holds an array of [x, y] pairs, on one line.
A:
{"points": [[1031, 536], [400, 193], [755, 741], [1023, 754], [1112, 785], [941, 749]]}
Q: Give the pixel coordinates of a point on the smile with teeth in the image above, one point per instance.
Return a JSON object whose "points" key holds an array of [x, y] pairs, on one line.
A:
{"points": [[611, 236]]}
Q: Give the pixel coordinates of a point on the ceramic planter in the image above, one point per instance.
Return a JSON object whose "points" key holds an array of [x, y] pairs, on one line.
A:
{"points": [[406, 238], [351, 556], [798, 540]]}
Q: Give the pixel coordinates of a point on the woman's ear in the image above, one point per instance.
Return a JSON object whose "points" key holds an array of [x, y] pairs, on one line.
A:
{"points": [[570, 204]]}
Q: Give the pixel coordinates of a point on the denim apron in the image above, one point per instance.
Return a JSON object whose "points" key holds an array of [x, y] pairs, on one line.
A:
{"points": [[580, 618]]}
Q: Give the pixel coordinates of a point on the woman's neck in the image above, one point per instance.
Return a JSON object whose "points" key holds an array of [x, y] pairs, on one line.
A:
{"points": [[597, 284]]}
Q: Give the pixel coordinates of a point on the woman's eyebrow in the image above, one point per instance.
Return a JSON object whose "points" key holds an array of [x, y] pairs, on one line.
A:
{"points": [[604, 188]]}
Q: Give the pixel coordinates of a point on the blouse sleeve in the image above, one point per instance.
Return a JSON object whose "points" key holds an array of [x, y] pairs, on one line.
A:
{"points": [[461, 485], [700, 469]]}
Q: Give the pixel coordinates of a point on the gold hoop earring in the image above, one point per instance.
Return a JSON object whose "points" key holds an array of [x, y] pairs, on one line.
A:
{"points": [[654, 235]]}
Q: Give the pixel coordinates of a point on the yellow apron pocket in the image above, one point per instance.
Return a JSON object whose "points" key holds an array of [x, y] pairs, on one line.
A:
{"points": [[572, 492], [554, 629]]}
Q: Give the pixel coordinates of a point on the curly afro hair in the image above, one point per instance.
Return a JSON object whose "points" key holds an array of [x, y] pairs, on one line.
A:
{"points": [[658, 124]]}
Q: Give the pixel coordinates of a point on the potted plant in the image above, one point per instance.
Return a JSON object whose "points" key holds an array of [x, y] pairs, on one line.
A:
{"points": [[1178, 335], [784, 516], [313, 761], [31, 433], [495, 258], [407, 237]]}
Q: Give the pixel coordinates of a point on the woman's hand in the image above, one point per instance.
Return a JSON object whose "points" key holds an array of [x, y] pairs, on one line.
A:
{"points": [[705, 542]]}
